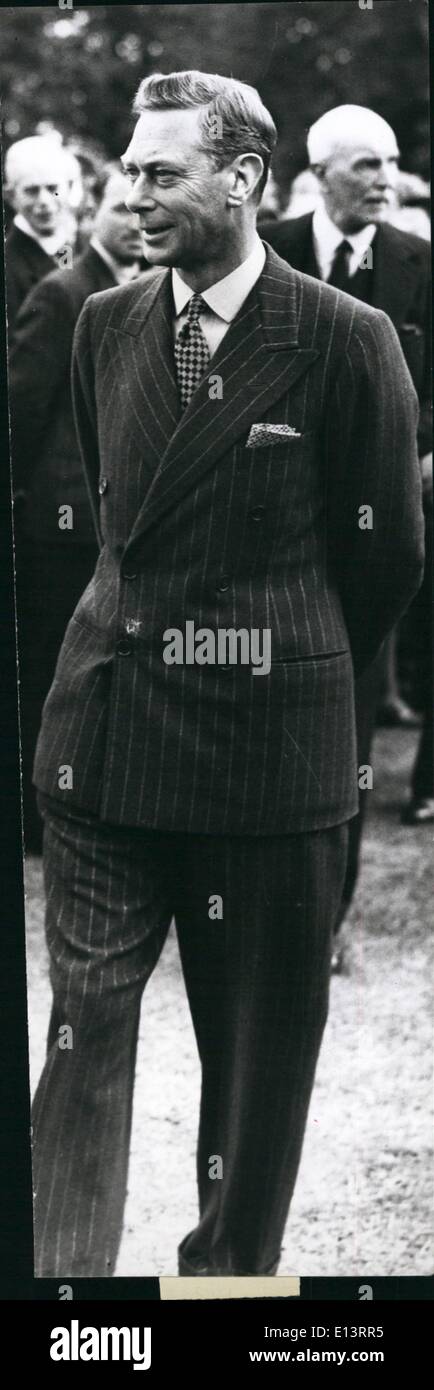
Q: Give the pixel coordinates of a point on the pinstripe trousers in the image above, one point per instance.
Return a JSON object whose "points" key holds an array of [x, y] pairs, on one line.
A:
{"points": [[257, 981]]}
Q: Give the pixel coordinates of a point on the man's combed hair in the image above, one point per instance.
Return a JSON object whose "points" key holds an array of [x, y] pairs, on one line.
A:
{"points": [[234, 119]]}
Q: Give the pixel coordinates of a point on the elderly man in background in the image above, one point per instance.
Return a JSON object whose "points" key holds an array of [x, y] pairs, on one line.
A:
{"points": [[347, 241], [56, 550], [38, 174]]}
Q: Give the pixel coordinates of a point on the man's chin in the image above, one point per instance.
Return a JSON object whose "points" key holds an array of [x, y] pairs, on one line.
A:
{"points": [[159, 255], [378, 212]]}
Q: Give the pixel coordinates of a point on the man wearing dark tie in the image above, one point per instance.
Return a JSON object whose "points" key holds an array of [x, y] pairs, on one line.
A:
{"points": [[348, 242], [197, 752]]}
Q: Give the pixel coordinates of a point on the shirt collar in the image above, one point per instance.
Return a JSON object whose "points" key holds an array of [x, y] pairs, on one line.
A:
{"points": [[50, 244], [227, 295], [328, 236]]}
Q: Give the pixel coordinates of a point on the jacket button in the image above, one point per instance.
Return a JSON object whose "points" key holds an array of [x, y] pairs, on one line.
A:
{"points": [[223, 584], [102, 486], [257, 513], [123, 647]]}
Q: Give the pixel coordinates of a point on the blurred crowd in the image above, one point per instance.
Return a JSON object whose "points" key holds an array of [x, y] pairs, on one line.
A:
{"points": [[54, 189], [70, 234], [53, 196]]}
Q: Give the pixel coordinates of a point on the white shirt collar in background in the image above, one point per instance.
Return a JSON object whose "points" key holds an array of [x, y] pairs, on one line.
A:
{"points": [[49, 244], [327, 237]]}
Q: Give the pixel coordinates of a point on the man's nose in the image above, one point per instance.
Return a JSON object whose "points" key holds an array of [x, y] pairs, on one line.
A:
{"points": [[46, 198], [139, 196], [385, 175]]}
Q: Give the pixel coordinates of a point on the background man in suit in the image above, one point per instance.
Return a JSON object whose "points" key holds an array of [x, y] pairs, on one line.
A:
{"points": [[354, 155], [56, 550], [347, 241], [37, 177], [235, 420]]}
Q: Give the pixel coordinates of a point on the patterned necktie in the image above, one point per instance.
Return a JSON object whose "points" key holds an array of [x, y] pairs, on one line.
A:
{"points": [[339, 274], [191, 351]]}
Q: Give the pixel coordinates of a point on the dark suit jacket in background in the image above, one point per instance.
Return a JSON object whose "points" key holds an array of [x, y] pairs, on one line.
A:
{"points": [[53, 566], [196, 525], [46, 462], [25, 263], [401, 287]]}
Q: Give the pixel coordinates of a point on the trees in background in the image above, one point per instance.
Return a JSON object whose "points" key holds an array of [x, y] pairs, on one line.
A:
{"points": [[78, 69]]}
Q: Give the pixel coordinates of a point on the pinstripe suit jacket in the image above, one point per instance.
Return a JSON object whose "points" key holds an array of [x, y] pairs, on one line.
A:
{"points": [[193, 524]]}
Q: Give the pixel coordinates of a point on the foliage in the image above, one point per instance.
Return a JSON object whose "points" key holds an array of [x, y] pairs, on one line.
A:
{"points": [[78, 69]]}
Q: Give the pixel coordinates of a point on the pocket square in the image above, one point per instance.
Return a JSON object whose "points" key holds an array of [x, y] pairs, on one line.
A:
{"points": [[270, 434]]}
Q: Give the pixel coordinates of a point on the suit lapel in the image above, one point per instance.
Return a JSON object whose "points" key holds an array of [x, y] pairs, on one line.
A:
{"points": [[395, 272], [147, 369], [258, 360], [35, 254]]}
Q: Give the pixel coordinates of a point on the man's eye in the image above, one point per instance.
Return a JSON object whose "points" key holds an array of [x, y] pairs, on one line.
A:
{"points": [[165, 175]]}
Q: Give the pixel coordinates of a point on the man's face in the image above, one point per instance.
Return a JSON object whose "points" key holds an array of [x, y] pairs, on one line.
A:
{"points": [[180, 197], [40, 194], [114, 224], [357, 183]]}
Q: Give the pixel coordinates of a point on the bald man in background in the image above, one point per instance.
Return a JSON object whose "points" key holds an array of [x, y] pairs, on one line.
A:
{"points": [[348, 242]]}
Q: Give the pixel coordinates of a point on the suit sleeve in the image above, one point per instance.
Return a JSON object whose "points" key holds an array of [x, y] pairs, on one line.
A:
{"points": [[84, 406], [375, 524], [39, 365]]}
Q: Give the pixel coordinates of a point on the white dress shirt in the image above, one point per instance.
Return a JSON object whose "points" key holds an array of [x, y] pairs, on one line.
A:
{"points": [[327, 237], [223, 300]]}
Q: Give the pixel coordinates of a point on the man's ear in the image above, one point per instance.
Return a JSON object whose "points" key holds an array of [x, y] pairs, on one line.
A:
{"points": [[246, 172]]}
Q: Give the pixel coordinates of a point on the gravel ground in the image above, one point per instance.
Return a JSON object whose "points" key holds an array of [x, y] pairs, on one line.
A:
{"points": [[364, 1200]]}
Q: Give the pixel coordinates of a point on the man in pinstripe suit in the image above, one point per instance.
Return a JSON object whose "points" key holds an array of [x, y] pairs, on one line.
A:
{"points": [[239, 424]]}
